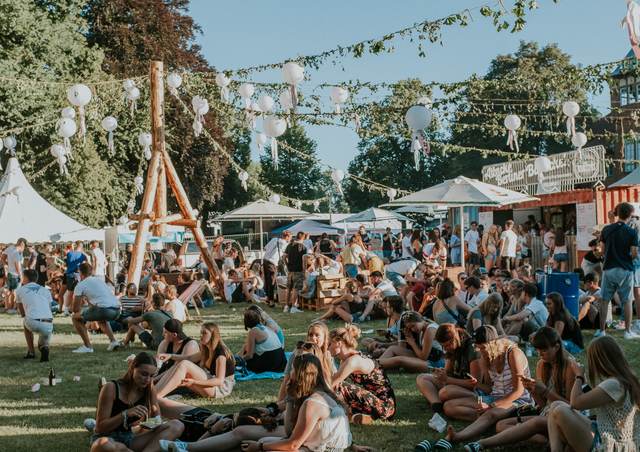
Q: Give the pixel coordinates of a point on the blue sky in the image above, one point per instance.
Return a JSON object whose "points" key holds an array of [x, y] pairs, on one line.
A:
{"points": [[248, 33]]}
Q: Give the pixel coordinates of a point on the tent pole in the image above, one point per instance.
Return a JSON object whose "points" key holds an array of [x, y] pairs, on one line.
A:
{"points": [[261, 241], [462, 234]]}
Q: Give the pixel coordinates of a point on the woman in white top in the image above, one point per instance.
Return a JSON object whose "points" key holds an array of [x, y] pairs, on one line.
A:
{"points": [[560, 250], [174, 305], [314, 418], [616, 401]]}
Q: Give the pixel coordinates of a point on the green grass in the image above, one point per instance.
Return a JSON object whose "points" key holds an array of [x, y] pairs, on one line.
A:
{"points": [[52, 418]]}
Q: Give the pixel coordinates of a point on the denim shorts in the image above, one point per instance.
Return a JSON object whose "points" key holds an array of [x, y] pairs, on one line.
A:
{"points": [[486, 398], [119, 437], [518, 254], [617, 280], [490, 257], [636, 276], [350, 271], [596, 435], [545, 254], [562, 257], [438, 364], [96, 314], [396, 279], [72, 280], [572, 348], [13, 282]]}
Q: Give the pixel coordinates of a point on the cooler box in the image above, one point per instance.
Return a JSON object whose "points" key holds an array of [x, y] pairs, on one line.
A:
{"points": [[566, 284]]}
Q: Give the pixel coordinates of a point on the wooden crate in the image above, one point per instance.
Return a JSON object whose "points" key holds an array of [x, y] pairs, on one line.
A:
{"points": [[328, 288]]}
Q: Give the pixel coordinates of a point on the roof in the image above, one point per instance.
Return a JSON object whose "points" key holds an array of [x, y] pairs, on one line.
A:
{"points": [[24, 213], [633, 178], [629, 63], [310, 227], [262, 209], [374, 214]]}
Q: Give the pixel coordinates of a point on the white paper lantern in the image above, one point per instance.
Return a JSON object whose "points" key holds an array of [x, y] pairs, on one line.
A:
{"points": [[266, 103], [174, 81], [298, 204], [68, 112], [223, 82], [338, 96], [246, 90], [109, 124], [129, 85], [255, 107], [274, 127], [80, 95], [424, 101], [132, 96], [316, 204], [243, 176], [201, 108], [261, 139], [145, 140], [542, 165], [337, 176], [391, 193], [292, 73], [285, 100], [579, 140], [59, 152], [138, 181], [418, 118], [274, 199], [512, 123], [10, 143], [571, 109], [66, 128]]}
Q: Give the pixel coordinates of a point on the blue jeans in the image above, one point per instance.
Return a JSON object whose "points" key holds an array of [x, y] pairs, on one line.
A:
{"points": [[396, 279], [350, 271], [386, 253], [572, 348]]}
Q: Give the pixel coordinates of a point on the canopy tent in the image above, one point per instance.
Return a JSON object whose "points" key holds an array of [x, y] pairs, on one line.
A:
{"points": [[24, 213], [374, 214], [310, 227], [260, 209], [430, 210], [463, 192], [633, 178]]}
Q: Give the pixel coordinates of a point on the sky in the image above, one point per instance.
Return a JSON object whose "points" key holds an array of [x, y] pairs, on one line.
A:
{"points": [[243, 34]]}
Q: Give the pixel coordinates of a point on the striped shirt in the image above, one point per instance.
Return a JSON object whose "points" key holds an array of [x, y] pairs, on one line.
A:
{"points": [[130, 303], [502, 383]]}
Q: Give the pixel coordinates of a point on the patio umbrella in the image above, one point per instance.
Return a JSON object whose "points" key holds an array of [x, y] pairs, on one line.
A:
{"points": [[373, 214], [428, 209]]}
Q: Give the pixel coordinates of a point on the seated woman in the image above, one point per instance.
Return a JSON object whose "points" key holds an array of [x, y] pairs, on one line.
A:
{"points": [[348, 307], [453, 381], [501, 390], [393, 306], [125, 402], [266, 320], [616, 401], [374, 399], [567, 326], [173, 305], [486, 313], [417, 350], [263, 351], [213, 377], [446, 293], [555, 382]]}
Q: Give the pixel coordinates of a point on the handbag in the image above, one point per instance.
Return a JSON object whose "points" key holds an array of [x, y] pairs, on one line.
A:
{"points": [[193, 421], [460, 320], [523, 411]]}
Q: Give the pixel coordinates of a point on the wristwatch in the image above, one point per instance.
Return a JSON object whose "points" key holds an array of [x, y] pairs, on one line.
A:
{"points": [[492, 405]]}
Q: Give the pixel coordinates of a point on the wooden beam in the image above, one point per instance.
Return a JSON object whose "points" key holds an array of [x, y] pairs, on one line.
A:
{"points": [[186, 223], [160, 204], [168, 219], [135, 217]]}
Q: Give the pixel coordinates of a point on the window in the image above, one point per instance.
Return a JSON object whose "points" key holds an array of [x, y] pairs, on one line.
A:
{"points": [[632, 94], [623, 97], [630, 153]]}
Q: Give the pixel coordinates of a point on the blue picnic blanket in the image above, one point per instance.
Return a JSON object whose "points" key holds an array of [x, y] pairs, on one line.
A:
{"points": [[248, 375]]}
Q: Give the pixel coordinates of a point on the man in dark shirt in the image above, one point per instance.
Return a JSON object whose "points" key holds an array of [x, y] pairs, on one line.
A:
{"points": [[41, 263], [366, 240], [183, 283], [73, 259], [294, 258], [155, 319], [620, 244], [387, 244]]}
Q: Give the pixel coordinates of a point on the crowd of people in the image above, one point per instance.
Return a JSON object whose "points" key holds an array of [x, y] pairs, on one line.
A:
{"points": [[466, 333]]}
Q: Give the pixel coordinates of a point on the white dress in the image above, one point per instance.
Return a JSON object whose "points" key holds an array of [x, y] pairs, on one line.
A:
{"points": [[331, 433]]}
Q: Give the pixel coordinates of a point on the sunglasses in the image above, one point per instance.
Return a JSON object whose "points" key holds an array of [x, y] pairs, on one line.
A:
{"points": [[304, 345]]}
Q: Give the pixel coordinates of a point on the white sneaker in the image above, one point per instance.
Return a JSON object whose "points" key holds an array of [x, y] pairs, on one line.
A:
{"points": [[176, 446], [89, 424], [635, 328], [631, 335], [67, 313], [599, 333], [619, 326], [286, 308], [84, 349], [122, 344], [295, 310], [113, 345]]}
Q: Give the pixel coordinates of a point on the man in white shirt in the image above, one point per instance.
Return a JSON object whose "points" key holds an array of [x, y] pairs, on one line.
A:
{"points": [[382, 289], [273, 252], [104, 308], [508, 242], [12, 259], [475, 291], [527, 322], [34, 303], [230, 260], [407, 249], [471, 240], [98, 260], [397, 272]]}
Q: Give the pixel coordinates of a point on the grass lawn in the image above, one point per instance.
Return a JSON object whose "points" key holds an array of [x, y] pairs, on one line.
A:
{"points": [[51, 419]]}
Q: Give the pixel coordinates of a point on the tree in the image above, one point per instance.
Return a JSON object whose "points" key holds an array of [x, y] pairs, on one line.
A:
{"points": [[519, 88]]}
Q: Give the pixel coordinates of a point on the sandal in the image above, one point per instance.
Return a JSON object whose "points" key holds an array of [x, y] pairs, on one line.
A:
{"points": [[424, 446], [473, 447], [443, 444]]}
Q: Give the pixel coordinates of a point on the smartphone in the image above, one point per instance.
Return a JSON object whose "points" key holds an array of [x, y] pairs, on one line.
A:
{"points": [[432, 369], [469, 377]]}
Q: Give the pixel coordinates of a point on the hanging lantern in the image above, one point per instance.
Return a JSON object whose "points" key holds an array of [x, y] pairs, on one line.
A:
{"points": [[285, 100], [391, 193], [10, 143], [274, 199], [59, 152], [174, 81], [68, 112], [542, 165], [131, 204], [298, 204], [80, 95], [109, 124], [338, 96], [418, 118], [223, 82], [266, 104], [316, 204], [246, 91], [254, 110], [132, 96], [274, 127], [129, 85], [261, 139], [243, 176], [632, 22], [66, 128], [512, 123], [201, 108], [145, 140], [337, 176], [356, 118], [138, 181], [579, 140], [293, 74], [571, 109]]}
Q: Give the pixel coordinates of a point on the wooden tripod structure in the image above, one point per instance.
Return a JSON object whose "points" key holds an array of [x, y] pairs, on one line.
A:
{"points": [[153, 212]]}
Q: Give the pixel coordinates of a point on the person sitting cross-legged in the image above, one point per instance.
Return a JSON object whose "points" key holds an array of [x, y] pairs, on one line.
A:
{"points": [[156, 320]]}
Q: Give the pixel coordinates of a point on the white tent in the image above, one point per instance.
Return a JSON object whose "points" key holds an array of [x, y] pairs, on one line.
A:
{"points": [[633, 178], [24, 213], [373, 214]]}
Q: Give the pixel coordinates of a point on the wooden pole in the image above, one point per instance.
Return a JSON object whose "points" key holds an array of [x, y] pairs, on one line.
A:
{"points": [[157, 134], [160, 204]]}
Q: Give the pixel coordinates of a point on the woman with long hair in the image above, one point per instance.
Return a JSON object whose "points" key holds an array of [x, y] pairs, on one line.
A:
{"points": [[417, 350], [348, 306], [514, 290], [446, 293], [456, 248], [213, 376], [564, 323], [353, 255], [393, 306], [554, 383], [489, 246], [486, 313], [325, 245], [217, 251], [616, 401], [435, 251], [125, 402], [452, 381], [374, 398], [397, 246], [416, 244], [560, 258], [526, 243], [266, 320], [262, 351], [500, 391]]}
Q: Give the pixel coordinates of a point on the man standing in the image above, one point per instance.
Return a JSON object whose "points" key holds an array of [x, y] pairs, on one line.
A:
{"points": [[166, 260], [41, 264], [12, 258], [34, 303], [73, 260], [620, 244], [156, 320], [104, 308], [293, 258], [508, 242], [98, 260], [407, 248], [273, 252], [471, 243], [387, 244], [364, 236], [127, 257], [33, 256]]}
